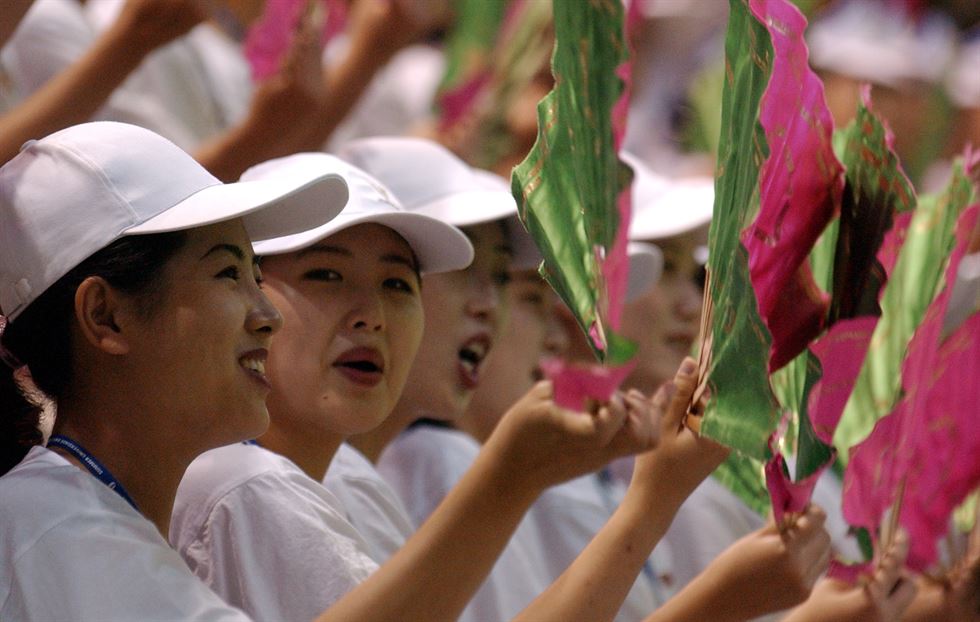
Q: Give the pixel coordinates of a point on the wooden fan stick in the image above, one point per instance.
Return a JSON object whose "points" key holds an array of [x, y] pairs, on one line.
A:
{"points": [[890, 528], [705, 337]]}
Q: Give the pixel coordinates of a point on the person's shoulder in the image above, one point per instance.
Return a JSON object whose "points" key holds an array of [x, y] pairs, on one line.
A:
{"points": [[224, 474], [349, 462], [436, 442], [45, 488]]}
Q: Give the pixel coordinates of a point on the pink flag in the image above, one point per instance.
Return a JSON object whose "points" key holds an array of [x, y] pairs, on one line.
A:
{"points": [[575, 385], [931, 440], [800, 186], [269, 38]]}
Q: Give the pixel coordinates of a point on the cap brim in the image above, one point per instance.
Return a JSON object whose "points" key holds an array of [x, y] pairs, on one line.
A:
{"points": [[269, 208], [464, 209], [438, 246], [646, 266], [684, 206]]}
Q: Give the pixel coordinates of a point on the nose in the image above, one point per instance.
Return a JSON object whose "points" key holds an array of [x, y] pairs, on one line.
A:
{"points": [[555, 337], [367, 313], [263, 317], [484, 300], [687, 305]]}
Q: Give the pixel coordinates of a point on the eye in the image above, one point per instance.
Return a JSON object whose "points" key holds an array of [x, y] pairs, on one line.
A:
{"points": [[399, 284], [533, 298], [257, 275], [231, 272], [501, 278], [322, 274]]}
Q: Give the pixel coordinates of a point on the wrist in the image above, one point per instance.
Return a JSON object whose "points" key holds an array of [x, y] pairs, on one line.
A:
{"points": [[126, 36], [506, 474]]}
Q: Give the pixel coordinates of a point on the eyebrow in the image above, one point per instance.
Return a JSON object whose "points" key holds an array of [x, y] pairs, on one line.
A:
{"points": [[506, 249], [325, 248], [230, 248], [393, 258]]}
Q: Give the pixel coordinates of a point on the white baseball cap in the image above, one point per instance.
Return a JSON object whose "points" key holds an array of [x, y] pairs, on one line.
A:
{"points": [[439, 247], [662, 207], [71, 194], [963, 81], [874, 41], [428, 179]]}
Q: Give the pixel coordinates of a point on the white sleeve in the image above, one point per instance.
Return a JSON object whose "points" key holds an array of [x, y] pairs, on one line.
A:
{"points": [[422, 465], [51, 37], [106, 572], [275, 547]]}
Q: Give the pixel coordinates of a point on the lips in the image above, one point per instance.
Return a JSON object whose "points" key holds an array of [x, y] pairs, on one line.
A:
{"points": [[469, 359], [253, 362], [362, 366], [680, 339]]}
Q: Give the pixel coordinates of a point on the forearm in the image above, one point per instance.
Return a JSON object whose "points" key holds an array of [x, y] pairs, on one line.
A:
{"points": [[594, 587], [706, 597], [252, 141], [74, 95], [436, 573]]}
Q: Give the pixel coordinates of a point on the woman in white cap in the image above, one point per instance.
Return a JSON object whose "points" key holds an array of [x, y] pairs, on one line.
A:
{"points": [[132, 302], [425, 463], [253, 519]]}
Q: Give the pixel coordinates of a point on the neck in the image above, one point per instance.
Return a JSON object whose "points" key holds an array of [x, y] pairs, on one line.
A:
{"points": [[372, 443], [310, 451], [470, 423], [149, 469]]}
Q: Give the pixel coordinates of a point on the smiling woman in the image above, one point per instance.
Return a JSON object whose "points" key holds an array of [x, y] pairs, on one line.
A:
{"points": [[350, 295], [132, 302]]}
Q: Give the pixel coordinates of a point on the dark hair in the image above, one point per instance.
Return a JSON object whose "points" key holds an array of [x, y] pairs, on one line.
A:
{"points": [[40, 338]]}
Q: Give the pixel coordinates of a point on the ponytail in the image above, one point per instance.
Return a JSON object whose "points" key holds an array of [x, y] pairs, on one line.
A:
{"points": [[19, 419], [36, 346]]}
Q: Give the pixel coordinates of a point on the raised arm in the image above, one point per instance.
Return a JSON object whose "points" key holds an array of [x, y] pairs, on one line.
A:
{"points": [[595, 585], [297, 109], [880, 598], [74, 95], [767, 571], [536, 445]]}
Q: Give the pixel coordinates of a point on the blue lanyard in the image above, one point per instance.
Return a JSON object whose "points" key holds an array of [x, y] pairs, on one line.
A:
{"points": [[94, 466]]}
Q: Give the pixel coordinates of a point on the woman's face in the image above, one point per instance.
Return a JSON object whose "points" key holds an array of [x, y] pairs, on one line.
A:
{"points": [[464, 313], [204, 345], [511, 369], [664, 321], [353, 322]]}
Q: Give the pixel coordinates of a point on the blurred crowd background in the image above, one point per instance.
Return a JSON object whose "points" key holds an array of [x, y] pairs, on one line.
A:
{"points": [[467, 73]]}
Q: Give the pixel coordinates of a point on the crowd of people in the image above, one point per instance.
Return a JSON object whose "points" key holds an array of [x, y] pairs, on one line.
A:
{"points": [[274, 348]]}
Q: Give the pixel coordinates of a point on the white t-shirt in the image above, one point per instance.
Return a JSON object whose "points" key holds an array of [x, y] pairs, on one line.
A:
{"points": [[74, 549], [399, 98], [264, 535], [422, 465], [569, 515], [371, 505], [707, 523]]}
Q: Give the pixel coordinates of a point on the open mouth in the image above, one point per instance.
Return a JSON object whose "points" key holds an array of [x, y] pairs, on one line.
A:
{"points": [[469, 359], [363, 366], [254, 365]]}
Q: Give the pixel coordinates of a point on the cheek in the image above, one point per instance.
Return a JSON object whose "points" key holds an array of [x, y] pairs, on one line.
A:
{"points": [[444, 314], [404, 340], [523, 339]]}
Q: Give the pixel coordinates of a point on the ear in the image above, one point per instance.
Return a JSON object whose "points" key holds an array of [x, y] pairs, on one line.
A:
{"points": [[99, 307]]}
